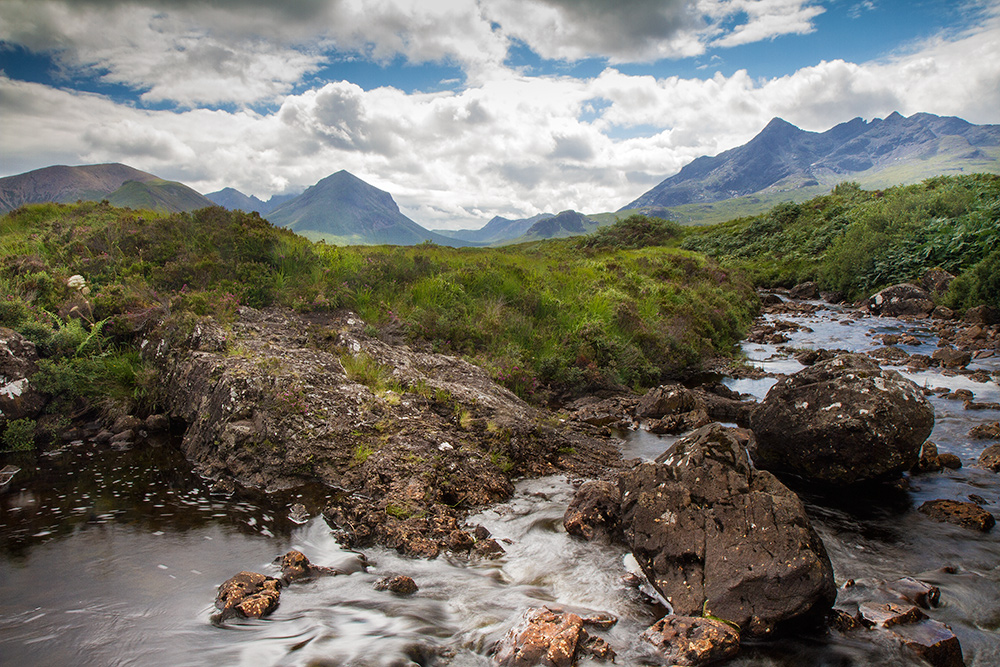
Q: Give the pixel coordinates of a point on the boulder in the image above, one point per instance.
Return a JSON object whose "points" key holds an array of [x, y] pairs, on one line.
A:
{"points": [[665, 400], [805, 291], [936, 281], [18, 362], [967, 515], [984, 315], [951, 358], [400, 585], [987, 431], [296, 567], [902, 299], [549, 637], [680, 423], [932, 641], [594, 511], [714, 536], [990, 458], [842, 421], [248, 594], [685, 640], [943, 313], [928, 461]]}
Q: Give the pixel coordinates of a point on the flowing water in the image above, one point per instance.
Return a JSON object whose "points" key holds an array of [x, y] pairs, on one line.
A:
{"points": [[114, 558]]}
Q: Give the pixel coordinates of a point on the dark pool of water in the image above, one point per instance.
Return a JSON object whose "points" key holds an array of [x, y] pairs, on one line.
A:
{"points": [[113, 558]]}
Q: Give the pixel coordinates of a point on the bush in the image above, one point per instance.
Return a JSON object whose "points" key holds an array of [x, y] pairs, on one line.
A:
{"points": [[19, 436], [635, 231]]}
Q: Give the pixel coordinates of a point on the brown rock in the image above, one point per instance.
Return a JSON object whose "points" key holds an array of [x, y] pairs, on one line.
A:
{"points": [[985, 315], [541, 637], [943, 313], [296, 567], [248, 594], [988, 431], [936, 281], [665, 400], [684, 640], [928, 459], [805, 291], [18, 362], [400, 585], [918, 592], [888, 614], [990, 458], [967, 515], [901, 299], [949, 460], [933, 641], [594, 511], [951, 358], [157, 423], [686, 421]]}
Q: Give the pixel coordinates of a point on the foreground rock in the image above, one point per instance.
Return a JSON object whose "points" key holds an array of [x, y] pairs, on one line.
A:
{"points": [[692, 641], [714, 536], [248, 594], [842, 421], [549, 637], [413, 440], [594, 512]]}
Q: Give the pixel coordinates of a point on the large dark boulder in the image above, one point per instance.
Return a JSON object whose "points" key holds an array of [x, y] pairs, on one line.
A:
{"points": [[902, 299], [669, 399], [18, 362], [842, 421], [714, 536]]}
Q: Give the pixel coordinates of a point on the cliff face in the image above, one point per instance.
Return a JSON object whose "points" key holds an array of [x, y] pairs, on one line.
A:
{"points": [[412, 441]]}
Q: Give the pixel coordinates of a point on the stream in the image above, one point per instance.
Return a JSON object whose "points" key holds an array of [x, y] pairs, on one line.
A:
{"points": [[114, 557]]}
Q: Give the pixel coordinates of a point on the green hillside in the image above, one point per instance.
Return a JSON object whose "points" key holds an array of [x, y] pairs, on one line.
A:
{"points": [[158, 195]]}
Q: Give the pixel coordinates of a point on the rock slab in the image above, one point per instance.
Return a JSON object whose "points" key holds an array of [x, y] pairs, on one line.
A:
{"points": [[714, 536], [841, 422]]}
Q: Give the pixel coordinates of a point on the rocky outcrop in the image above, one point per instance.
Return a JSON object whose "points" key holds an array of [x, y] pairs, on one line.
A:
{"points": [[412, 440], [904, 299], [714, 536], [549, 637], [18, 362], [841, 422], [692, 641]]}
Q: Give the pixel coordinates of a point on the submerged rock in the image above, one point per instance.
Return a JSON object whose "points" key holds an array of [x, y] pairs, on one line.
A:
{"points": [[715, 536], [248, 594], [967, 515], [692, 641], [842, 421]]}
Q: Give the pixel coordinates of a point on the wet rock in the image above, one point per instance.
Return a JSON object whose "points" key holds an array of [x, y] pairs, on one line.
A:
{"points": [[841, 621], [943, 313], [888, 614], [488, 548], [951, 358], [972, 405], [296, 567], [988, 431], [990, 458], [127, 423], [400, 585], [686, 421], [949, 460], [936, 281], [928, 461], [248, 594], [890, 353], [157, 423], [967, 515], [298, 514], [933, 641], [128, 435], [983, 315], [541, 637], [724, 408], [665, 400], [684, 640], [919, 361], [833, 297], [603, 412], [899, 300], [917, 592], [594, 511], [103, 436], [768, 299], [18, 362], [715, 536], [841, 422], [804, 291]]}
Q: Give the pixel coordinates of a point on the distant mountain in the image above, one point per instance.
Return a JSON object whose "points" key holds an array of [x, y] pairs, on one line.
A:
{"points": [[234, 200], [566, 223], [496, 230], [158, 195], [343, 209], [786, 159]]}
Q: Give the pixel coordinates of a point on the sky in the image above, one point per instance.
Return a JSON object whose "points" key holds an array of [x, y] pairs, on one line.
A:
{"points": [[467, 109]]}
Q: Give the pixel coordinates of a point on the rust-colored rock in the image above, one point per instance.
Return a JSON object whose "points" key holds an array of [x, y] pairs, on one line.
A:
{"points": [[967, 515], [248, 594], [400, 585], [990, 458], [915, 591], [692, 641], [541, 637], [296, 567]]}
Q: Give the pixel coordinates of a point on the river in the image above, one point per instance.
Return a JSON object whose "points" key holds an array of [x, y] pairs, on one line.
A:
{"points": [[114, 557]]}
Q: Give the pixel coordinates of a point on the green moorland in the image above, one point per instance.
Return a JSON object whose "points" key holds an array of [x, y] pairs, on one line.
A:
{"points": [[550, 318], [857, 241]]}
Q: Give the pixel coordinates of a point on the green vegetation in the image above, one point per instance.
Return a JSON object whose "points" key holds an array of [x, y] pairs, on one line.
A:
{"points": [[88, 282], [19, 436], [858, 241]]}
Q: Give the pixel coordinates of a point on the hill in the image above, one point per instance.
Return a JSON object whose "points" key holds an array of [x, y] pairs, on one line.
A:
{"points": [[158, 195], [345, 210], [65, 184], [785, 163], [234, 200], [497, 230], [561, 225]]}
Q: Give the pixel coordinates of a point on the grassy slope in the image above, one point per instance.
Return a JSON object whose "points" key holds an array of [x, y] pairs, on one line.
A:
{"points": [[546, 317]]}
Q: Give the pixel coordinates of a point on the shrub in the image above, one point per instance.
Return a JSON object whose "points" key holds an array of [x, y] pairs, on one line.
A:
{"points": [[635, 231], [19, 436]]}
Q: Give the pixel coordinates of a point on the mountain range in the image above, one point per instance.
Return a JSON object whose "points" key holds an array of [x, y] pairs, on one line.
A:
{"points": [[781, 163]]}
